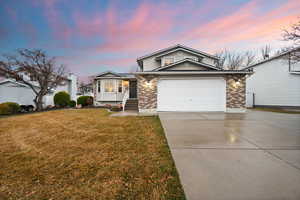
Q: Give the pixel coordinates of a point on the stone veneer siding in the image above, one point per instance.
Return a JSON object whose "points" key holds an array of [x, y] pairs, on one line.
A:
{"points": [[147, 95], [235, 94]]}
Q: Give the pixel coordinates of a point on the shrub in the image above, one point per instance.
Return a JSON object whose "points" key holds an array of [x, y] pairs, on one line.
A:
{"points": [[85, 100], [72, 104], [9, 108], [62, 99]]}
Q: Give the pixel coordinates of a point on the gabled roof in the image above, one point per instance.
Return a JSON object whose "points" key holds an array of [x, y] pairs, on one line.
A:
{"points": [[14, 82], [108, 72], [177, 47], [273, 57], [119, 75], [184, 61]]}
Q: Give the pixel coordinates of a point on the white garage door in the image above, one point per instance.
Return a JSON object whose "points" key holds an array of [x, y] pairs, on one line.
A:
{"points": [[191, 95]]}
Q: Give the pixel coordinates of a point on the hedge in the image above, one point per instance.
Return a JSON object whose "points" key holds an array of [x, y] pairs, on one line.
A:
{"points": [[85, 101], [72, 104], [62, 99], [8, 108]]}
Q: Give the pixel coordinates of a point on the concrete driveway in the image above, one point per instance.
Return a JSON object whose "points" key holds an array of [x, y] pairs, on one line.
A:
{"points": [[255, 155]]}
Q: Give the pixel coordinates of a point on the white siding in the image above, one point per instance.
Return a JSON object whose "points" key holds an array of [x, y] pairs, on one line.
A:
{"points": [[24, 95], [150, 63], [10, 92], [273, 85]]}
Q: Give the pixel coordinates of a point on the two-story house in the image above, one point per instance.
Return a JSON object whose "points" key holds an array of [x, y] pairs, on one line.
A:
{"points": [[177, 78]]}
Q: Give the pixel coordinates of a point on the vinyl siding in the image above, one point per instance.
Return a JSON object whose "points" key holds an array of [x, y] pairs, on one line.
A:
{"points": [[273, 85]]}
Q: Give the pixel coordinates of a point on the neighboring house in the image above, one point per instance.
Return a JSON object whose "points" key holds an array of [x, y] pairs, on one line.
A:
{"points": [[85, 90], [275, 82], [14, 91], [177, 78]]}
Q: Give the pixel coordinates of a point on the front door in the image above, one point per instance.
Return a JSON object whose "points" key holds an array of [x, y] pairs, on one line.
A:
{"points": [[132, 89]]}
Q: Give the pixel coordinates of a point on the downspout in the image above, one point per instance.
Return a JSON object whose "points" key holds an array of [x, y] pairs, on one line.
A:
{"points": [[289, 61]]}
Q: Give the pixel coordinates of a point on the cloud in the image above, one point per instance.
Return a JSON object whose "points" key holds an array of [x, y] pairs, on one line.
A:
{"points": [[247, 24]]}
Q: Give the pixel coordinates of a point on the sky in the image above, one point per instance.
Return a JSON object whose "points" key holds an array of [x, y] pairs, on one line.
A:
{"points": [[92, 36]]}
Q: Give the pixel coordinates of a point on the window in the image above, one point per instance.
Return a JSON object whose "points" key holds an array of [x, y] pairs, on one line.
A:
{"points": [[168, 61], [99, 86], [109, 86], [120, 86]]}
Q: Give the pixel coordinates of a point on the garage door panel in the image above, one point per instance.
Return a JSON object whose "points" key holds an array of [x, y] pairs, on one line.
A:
{"points": [[191, 95]]}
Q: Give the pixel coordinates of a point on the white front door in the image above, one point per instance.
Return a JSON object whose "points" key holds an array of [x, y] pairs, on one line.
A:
{"points": [[206, 94]]}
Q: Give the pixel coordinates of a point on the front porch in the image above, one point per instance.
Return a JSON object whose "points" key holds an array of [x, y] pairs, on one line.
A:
{"points": [[116, 91]]}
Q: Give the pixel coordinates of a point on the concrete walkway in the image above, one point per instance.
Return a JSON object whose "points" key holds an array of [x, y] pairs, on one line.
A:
{"points": [[236, 156]]}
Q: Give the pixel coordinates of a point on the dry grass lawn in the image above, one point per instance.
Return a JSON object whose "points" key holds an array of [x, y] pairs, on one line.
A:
{"points": [[85, 154]]}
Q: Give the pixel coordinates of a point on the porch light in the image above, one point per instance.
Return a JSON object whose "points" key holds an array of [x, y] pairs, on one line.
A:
{"points": [[148, 83]]}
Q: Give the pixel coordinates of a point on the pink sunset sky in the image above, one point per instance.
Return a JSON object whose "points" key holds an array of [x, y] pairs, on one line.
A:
{"points": [[94, 36]]}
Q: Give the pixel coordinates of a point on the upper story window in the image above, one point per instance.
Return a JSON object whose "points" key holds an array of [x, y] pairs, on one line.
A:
{"points": [[168, 60], [109, 86]]}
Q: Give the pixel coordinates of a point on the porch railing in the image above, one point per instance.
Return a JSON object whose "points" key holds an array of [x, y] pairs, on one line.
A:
{"points": [[125, 98]]}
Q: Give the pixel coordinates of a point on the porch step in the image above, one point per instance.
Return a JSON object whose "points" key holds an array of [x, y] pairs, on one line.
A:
{"points": [[131, 104]]}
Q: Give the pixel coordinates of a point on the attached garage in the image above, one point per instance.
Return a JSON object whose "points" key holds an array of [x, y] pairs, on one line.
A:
{"points": [[199, 94]]}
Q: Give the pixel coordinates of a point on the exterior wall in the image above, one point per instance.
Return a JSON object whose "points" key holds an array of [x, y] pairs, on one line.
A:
{"points": [[235, 93], [147, 94], [70, 87], [273, 85], [10, 92], [150, 63], [178, 55], [24, 95]]}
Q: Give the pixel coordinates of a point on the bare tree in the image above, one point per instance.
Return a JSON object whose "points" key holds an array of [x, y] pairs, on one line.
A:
{"points": [[44, 73], [222, 55], [249, 58], [234, 61], [265, 51], [293, 34]]}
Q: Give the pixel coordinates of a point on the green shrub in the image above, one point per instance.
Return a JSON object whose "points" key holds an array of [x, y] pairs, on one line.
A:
{"points": [[72, 104], [62, 99], [85, 101], [8, 108]]}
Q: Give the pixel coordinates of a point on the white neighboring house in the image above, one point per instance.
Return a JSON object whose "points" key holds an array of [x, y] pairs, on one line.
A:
{"points": [[14, 91], [275, 82]]}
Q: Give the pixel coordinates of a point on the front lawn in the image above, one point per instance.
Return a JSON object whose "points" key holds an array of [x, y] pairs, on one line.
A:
{"points": [[85, 154]]}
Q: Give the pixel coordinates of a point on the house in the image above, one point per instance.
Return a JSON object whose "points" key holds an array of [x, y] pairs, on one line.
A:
{"points": [[177, 78], [275, 81], [85, 90], [14, 91]]}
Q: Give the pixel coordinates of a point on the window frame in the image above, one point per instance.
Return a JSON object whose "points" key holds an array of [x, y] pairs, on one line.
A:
{"points": [[166, 58], [113, 82], [120, 86]]}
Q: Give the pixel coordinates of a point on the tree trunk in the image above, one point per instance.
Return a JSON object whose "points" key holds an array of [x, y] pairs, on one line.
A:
{"points": [[38, 100]]}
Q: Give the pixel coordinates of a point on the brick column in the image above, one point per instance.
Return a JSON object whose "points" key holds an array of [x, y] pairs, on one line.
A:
{"points": [[235, 93], [147, 93]]}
